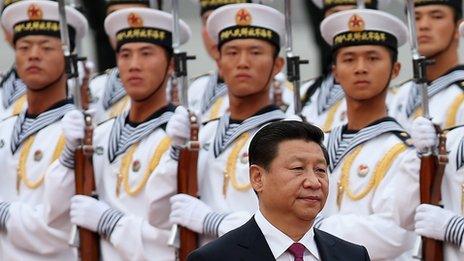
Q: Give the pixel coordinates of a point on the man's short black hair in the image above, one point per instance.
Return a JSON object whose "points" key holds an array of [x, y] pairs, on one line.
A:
{"points": [[264, 145]]}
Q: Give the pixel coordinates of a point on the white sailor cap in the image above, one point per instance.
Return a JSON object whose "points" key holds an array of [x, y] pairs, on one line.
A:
{"points": [[371, 4], [246, 21], [363, 27], [140, 24], [41, 17], [118, 2]]}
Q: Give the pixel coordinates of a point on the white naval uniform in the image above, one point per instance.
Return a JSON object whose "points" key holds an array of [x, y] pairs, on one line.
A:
{"points": [[33, 232], [326, 107], [452, 188], [209, 99], [12, 94], [142, 233], [235, 205], [446, 101], [379, 219]]}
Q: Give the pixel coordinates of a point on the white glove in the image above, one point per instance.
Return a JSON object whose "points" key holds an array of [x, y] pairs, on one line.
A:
{"points": [[178, 127], [73, 125], [87, 211], [188, 212], [423, 134], [431, 221]]}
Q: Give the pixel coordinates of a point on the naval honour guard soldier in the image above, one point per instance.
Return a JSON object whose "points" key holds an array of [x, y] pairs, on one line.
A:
{"points": [[32, 140], [12, 89], [208, 93], [109, 98], [437, 24], [374, 172], [323, 99], [444, 223], [134, 172], [249, 37]]}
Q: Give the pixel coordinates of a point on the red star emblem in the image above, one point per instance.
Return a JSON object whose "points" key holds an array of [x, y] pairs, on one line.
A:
{"points": [[34, 12], [356, 23], [134, 20], [243, 17]]}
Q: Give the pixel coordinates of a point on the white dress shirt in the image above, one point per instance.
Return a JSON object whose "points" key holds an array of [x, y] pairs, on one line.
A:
{"points": [[279, 242]]}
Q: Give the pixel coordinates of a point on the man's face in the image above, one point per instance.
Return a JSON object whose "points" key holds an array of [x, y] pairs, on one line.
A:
{"points": [[338, 8], [364, 71], [295, 187], [210, 45], [248, 66], [142, 69], [39, 60], [436, 29]]}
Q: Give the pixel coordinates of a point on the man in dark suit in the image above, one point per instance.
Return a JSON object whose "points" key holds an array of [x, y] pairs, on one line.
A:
{"points": [[288, 171]]}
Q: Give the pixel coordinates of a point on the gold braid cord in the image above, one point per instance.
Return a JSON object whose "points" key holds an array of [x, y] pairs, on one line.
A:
{"points": [[123, 177], [18, 106], [379, 172], [22, 168], [330, 117], [229, 173]]}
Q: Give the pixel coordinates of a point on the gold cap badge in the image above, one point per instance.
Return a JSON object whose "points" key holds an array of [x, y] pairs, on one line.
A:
{"points": [[134, 20], [34, 12], [243, 17], [356, 23]]}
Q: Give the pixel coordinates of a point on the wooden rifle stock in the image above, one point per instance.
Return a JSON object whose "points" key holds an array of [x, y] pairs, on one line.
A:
{"points": [[89, 242], [187, 184], [431, 175]]}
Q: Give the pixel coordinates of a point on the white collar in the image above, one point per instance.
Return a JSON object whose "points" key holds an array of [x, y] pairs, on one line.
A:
{"points": [[279, 242]]}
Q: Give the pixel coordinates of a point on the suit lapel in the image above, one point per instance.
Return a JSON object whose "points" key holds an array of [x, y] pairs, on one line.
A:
{"points": [[325, 246], [254, 244]]}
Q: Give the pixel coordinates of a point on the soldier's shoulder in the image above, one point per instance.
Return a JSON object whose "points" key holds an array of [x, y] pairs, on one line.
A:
{"points": [[202, 76]]}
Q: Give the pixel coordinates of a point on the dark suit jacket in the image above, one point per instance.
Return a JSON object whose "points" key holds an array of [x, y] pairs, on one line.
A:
{"points": [[248, 243]]}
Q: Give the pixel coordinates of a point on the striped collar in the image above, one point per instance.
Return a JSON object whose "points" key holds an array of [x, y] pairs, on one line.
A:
{"points": [[50, 116], [140, 131], [329, 94], [443, 82], [460, 154], [114, 89], [225, 135], [377, 128], [12, 88], [214, 90]]}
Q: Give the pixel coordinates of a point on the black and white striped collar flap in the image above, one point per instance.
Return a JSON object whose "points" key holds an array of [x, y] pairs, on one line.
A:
{"points": [[140, 132], [41, 121], [436, 86], [372, 131], [114, 89], [214, 90], [12, 88], [330, 93], [225, 137]]}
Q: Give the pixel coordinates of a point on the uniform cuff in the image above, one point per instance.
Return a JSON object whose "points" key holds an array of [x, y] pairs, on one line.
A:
{"points": [[108, 222]]}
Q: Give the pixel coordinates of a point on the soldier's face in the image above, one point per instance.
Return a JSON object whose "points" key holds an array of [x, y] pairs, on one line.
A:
{"points": [[295, 186], [143, 69], [39, 60], [248, 66], [436, 29], [364, 71]]}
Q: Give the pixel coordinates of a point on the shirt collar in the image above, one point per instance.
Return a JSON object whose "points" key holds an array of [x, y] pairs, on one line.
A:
{"points": [[279, 242]]}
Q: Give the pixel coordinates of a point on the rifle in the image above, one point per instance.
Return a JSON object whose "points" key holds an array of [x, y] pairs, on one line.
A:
{"points": [[432, 167], [293, 62], [188, 157], [89, 242]]}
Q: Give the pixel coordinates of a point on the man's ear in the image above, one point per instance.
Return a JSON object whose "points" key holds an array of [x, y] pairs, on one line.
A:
{"points": [[257, 176]]}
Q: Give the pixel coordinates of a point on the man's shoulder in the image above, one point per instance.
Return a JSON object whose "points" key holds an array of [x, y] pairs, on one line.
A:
{"points": [[222, 248], [349, 249]]}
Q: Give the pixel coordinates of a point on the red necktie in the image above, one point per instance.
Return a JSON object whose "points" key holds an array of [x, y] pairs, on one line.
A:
{"points": [[297, 250]]}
